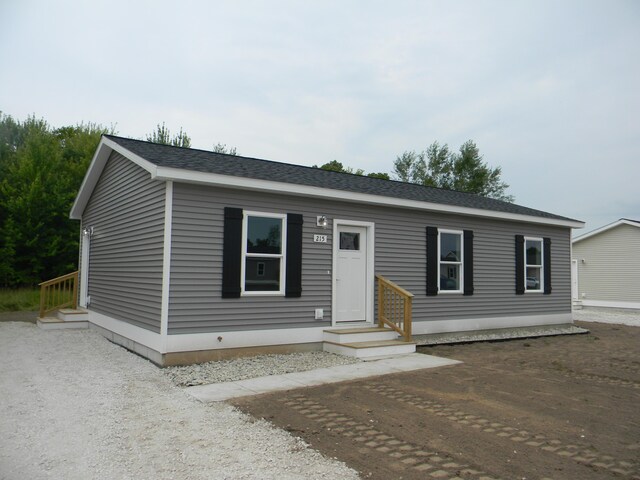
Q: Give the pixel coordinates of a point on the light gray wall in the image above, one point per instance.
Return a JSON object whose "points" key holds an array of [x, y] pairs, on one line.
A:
{"points": [[400, 247], [126, 211], [611, 270]]}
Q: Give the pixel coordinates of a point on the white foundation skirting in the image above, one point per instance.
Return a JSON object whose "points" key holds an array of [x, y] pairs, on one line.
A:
{"points": [[255, 338]]}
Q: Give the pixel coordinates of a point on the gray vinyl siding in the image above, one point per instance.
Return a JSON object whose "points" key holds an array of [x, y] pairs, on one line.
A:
{"points": [[400, 255], [126, 211], [611, 268]]}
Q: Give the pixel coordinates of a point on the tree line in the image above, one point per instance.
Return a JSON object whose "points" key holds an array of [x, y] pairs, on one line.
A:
{"points": [[42, 168]]}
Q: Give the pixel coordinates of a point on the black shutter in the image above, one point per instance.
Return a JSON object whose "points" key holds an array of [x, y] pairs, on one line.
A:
{"points": [[232, 252], [432, 261], [293, 286], [519, 265], [468, 262], [546, 262]]}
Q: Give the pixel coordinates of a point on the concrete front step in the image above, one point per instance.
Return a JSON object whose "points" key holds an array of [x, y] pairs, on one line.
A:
{"points": [[352, 335], [73, 315], [378, 348], [65, 318]]}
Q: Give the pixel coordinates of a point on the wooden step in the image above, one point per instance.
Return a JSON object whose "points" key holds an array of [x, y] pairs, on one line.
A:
{"points": [[368, 349], [64, 319], [352, 335]]}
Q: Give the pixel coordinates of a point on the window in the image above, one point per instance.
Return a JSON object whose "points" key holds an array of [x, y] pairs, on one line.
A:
{"points": [[449, 261], [533, 266], [349, 241], [263, 259], [450, 252]]}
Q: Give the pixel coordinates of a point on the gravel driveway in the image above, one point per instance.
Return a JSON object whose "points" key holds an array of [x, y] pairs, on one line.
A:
{"points": [[75, 406]]}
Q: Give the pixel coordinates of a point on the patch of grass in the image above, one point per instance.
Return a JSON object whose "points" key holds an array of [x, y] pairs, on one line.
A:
{"points": [[19, 299]]}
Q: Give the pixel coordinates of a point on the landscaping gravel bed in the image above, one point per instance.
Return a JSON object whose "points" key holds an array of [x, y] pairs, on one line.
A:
{"points": [[252, 367], [77, 407]]}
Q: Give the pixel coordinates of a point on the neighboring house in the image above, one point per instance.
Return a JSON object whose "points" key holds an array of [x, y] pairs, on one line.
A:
{"points": [[186, 254], [606, 266]]}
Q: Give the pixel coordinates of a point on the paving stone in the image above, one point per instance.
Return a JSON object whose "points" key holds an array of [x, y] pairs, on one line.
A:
{"points": [[410, 460], [565, 453], [439, 474], [423, 467], [583, 459]]}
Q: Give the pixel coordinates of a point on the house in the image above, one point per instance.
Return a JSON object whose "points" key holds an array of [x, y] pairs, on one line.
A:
{"points": [[190, 255], [606, 266]]}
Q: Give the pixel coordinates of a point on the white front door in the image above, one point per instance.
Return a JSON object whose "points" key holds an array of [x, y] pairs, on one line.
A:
{"points": [[350, 274]]}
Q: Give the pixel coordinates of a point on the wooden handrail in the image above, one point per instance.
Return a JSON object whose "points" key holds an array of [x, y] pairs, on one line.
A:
{"points": [[394, 307], [57, 293]]}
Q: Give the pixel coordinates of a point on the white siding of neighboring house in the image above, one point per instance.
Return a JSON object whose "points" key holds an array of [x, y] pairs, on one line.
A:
{"points": [[610, 271]]}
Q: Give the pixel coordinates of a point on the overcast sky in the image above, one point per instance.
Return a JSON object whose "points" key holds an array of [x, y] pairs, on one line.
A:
{"points": [[548, 90]]}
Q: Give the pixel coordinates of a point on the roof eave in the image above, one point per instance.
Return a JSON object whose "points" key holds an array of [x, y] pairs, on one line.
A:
{"points": [[598, 231]]}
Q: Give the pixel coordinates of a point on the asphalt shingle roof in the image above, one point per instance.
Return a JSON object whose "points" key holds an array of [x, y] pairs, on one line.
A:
{"points": [[254, 168]]}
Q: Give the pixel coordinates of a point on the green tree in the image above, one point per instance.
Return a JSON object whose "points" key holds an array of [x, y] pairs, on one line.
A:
{"points": [[222, 148], [42, 170], [464, 171], [380, 175], [336, 166], [162, 135]]}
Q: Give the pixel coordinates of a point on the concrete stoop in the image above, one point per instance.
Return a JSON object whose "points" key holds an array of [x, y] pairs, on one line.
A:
{"points": [[370, 342], [65, 318]]}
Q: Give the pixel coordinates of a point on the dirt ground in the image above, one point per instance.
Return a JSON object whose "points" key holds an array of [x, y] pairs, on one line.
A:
{"points": [[563, 407]]}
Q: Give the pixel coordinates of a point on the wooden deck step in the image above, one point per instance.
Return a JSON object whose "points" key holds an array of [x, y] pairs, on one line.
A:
{"points": [[65, 318], [368, 349], [353, 335]]}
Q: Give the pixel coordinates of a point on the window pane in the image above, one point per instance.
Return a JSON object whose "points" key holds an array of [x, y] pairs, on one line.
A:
{"points": [[262, 274], [450, 247], [533, 278], [349, 241], [264, 235], [534, 252], [449, 277]]}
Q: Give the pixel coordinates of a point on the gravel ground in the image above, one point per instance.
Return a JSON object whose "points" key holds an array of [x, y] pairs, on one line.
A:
{"points": [[624, 316], [78, 407], [252, 367]]}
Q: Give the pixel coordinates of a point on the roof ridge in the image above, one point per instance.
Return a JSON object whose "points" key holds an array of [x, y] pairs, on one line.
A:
{"points": [[199, 160], [401, 182]]}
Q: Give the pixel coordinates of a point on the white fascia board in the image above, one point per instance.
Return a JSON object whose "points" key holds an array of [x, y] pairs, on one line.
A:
{"points": [[622, 221], [189, 176], [98, 162]]}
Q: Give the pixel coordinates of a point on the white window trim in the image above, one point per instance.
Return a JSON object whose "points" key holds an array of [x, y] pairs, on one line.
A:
{"points": [[282, 256], [461, 262], [524, 246]]}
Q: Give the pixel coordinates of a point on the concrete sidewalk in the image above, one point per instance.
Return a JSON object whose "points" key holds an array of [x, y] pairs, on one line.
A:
{"points": [[219, 392]]}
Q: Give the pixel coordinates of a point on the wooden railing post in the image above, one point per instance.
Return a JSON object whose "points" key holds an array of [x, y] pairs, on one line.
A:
{"points": [[394, 307], [380, 304], [61, 292]]}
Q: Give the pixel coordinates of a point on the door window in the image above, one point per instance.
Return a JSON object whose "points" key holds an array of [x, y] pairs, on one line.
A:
{"points": [[349, 241]]}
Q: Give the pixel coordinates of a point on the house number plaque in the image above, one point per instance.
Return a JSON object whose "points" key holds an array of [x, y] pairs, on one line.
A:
{"points": [[320, 238]]}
